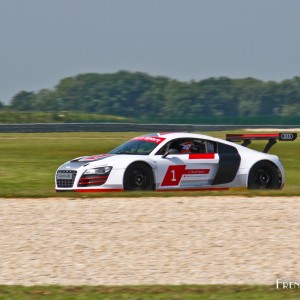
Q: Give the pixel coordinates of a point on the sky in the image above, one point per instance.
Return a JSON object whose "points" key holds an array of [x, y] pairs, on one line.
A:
{"points": [[44, 41]]}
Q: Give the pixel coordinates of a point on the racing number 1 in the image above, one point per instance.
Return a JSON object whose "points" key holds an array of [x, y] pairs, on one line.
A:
{"points": [[173, 175]]}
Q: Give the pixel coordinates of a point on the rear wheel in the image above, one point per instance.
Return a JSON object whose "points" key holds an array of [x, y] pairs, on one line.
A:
{"points": [[264, 175], [138, 177]]}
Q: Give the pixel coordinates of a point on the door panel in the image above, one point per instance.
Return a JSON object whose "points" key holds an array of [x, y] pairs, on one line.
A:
{"points": [[186, 170]]}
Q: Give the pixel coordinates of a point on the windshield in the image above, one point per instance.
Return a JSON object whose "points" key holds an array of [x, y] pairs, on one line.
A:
{"points": [[140, 147]]}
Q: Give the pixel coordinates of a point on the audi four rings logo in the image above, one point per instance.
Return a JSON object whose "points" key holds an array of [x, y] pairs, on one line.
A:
{"points": [[287, 136]]}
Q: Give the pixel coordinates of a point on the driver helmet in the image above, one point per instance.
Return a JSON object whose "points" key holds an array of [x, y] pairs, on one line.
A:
{"points": [[186, 147]]}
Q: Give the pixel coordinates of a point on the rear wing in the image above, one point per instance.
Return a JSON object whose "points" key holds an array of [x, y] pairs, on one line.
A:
{"points": [[272, 137]]}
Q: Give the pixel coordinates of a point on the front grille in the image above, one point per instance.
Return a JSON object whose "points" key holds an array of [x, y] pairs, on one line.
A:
{"points": [[65, 178]]}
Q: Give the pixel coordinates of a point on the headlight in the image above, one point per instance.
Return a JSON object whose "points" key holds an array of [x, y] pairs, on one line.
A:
{"points": [[98, 171]]}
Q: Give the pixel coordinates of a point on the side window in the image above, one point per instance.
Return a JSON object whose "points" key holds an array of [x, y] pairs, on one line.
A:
{"points": [[199, 146], [162, 150], [202, 146], [211, 147], [177, 146], [188, 145]]}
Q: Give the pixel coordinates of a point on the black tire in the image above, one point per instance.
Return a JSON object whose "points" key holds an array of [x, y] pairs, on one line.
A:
{"points": [[138, 177], [264, 175]]}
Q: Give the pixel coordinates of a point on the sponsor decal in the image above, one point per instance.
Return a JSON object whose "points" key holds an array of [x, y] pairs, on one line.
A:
{"points": [[64, 176], [174, 174], [153, 139], [95, 157], [287, 136]]}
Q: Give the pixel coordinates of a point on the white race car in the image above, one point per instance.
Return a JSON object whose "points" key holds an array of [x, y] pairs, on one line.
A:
{"points": [[177, 161]]}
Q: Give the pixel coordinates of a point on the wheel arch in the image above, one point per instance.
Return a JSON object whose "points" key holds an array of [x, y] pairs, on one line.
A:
{"points": [[140, 162], [146, 164], [263, 161]]}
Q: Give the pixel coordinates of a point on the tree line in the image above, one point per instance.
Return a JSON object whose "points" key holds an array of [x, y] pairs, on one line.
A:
{"points": [[139, 95]]}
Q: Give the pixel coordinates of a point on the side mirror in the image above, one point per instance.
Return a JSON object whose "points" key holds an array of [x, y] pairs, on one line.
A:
{"points": [[170, 151]]}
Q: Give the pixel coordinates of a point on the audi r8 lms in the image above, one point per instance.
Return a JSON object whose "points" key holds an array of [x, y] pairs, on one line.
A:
{"points": [[177, 161]]}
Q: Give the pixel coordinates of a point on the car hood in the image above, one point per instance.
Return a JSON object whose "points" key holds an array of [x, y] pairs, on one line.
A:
{"points": [[91, 158], [118, 161]]}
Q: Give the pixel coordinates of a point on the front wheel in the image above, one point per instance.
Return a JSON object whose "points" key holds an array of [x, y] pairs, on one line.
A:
{"points": [[138, 177], [264, 175]]}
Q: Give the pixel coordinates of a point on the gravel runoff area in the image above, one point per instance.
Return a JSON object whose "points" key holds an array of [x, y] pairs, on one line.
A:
{"points": [[133, 241]]}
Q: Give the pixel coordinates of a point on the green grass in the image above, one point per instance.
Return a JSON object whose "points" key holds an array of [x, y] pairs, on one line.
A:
{"points": [[27, 166], [184, 292], [13, 117], [28, 162]]}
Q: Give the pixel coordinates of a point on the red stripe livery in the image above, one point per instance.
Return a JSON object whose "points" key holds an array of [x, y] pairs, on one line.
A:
{"points": [[201, 156]]}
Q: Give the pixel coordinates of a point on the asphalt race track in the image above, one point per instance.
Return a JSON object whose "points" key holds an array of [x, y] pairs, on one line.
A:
{"points": [[125, 241]]}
